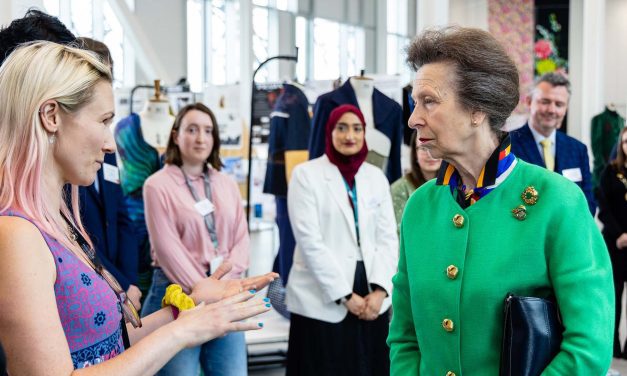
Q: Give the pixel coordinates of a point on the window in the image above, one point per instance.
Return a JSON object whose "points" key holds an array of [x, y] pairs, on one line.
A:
{"points": [[261, 41], [195, 58], [353, 42], [302, 25], [96, 19], [213, 42], [338, 50], [397, 38]]}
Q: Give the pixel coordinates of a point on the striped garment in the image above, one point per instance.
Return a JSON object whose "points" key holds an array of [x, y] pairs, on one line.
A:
{"points": [[498, 167]]}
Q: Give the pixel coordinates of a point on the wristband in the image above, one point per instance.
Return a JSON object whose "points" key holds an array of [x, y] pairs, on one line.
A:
{"points": [[176, 298]]}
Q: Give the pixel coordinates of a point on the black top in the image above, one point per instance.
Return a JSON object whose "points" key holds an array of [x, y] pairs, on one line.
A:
{"points": [[3, 362], [613, 205]]}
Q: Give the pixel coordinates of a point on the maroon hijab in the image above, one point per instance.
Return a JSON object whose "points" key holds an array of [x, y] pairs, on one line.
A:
{"points": [[348, 165]]}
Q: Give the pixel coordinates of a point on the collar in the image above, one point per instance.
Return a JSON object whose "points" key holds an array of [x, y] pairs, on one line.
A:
{"points": [[176, 174], [537, 136], [496, 169], [490, 171]]}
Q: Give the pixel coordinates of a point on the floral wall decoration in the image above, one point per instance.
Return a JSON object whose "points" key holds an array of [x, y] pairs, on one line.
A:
{"points": [[546, 49], [512, 24]]}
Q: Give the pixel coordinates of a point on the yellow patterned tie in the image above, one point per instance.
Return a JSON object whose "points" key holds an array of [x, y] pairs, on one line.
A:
{"points": [[549, 160]]}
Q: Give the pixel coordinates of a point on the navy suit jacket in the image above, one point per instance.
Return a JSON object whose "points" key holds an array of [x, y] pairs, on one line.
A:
{"points": [[387, 119], [569, 153], [106, 220]]}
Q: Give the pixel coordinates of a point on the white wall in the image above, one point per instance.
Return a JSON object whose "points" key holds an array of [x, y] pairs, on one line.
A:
{"points": [[469, 13], [164, 24], [12, 9], [615, 89]]}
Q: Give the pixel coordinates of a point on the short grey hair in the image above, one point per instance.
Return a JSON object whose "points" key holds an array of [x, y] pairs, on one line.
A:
{"points": [[555, 79], [485, 78]]}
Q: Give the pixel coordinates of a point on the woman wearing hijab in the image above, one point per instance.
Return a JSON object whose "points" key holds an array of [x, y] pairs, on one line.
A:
{"points": [[346, 252]]}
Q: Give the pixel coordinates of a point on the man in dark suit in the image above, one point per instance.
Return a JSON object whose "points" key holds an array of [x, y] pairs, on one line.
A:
{"points": [[104, 213], [540, 143], [106, 219]]}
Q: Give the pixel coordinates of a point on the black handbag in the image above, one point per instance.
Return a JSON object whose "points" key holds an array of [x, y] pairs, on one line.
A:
{"points": [[532, 334]]}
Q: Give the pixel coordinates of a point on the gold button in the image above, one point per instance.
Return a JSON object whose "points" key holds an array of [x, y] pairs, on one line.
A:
{"points": [[447, 324], [458, 220], [451, 271], [450, 373]]}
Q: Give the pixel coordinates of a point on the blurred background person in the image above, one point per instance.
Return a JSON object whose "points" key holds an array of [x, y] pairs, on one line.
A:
{"points": [[422, 169], [195, 222], [613, 214]]}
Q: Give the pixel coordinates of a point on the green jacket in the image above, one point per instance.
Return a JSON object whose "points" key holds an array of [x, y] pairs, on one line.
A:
{"points": [[557, 247]]}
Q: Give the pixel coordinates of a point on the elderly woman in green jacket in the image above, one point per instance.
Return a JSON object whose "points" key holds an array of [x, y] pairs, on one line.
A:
{"points": [[488, 225]]}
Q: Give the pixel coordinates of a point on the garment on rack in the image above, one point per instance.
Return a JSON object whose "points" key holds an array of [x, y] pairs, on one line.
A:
{"points": [[139, 161], [604, 132], [387, 120], [290, 126]]}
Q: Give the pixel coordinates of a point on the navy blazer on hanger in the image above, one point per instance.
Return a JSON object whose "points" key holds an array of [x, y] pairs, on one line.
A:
{"points": [[387, 119], [570, 154], [290, 126], [106, 220]]}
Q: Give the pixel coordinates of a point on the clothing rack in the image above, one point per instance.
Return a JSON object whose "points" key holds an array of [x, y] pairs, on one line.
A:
{"points": [[293, 58]]}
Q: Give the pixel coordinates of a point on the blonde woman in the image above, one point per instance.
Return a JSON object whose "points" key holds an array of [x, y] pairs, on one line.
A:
{"points": [[59, 309]]}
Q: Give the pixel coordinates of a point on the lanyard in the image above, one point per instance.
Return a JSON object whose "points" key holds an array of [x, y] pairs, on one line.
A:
{"points": [[209, 219], [352, 194], [96, 264]]}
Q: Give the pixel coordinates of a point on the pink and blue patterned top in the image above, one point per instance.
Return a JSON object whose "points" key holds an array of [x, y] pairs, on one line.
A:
{"points": [[89, 310]]}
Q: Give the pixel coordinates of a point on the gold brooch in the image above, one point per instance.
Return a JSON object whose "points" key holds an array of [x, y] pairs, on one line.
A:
{"points": [[520, 212], [530, 195]]}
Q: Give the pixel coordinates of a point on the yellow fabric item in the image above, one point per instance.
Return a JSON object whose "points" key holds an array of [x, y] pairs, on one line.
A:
{"points": [[549, 159], [174, 296], [292, 159]]}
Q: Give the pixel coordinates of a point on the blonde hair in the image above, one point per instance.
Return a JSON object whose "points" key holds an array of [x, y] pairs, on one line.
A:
{"points": [[32, 74]]}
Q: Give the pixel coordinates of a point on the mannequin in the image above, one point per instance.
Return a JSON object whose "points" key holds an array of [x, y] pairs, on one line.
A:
{"points": [[141, 139], [383, 119], [156, 120], [378, 143]]}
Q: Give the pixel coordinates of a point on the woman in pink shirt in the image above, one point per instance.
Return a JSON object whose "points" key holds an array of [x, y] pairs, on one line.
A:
{"points": [[196, 221]]}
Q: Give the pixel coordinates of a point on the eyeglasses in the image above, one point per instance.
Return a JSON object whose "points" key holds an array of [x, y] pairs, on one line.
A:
{"points": [[128, 308]]}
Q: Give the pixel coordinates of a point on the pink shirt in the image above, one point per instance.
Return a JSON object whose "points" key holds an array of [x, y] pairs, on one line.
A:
{"points": [[180, 242]]}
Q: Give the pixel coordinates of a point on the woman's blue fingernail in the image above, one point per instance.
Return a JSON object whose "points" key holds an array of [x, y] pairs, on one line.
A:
{"points": [[260, 324], [266, 299], [253, 291], [268, 305]]}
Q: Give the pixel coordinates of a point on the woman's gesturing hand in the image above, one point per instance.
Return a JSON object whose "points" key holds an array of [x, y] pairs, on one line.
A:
{"points": [[213, 288], [209, 321]]}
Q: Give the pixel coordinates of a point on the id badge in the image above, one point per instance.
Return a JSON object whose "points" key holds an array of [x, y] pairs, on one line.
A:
{"points": [[204, 207], [573, 174], [215, 263], [111, 173]]}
